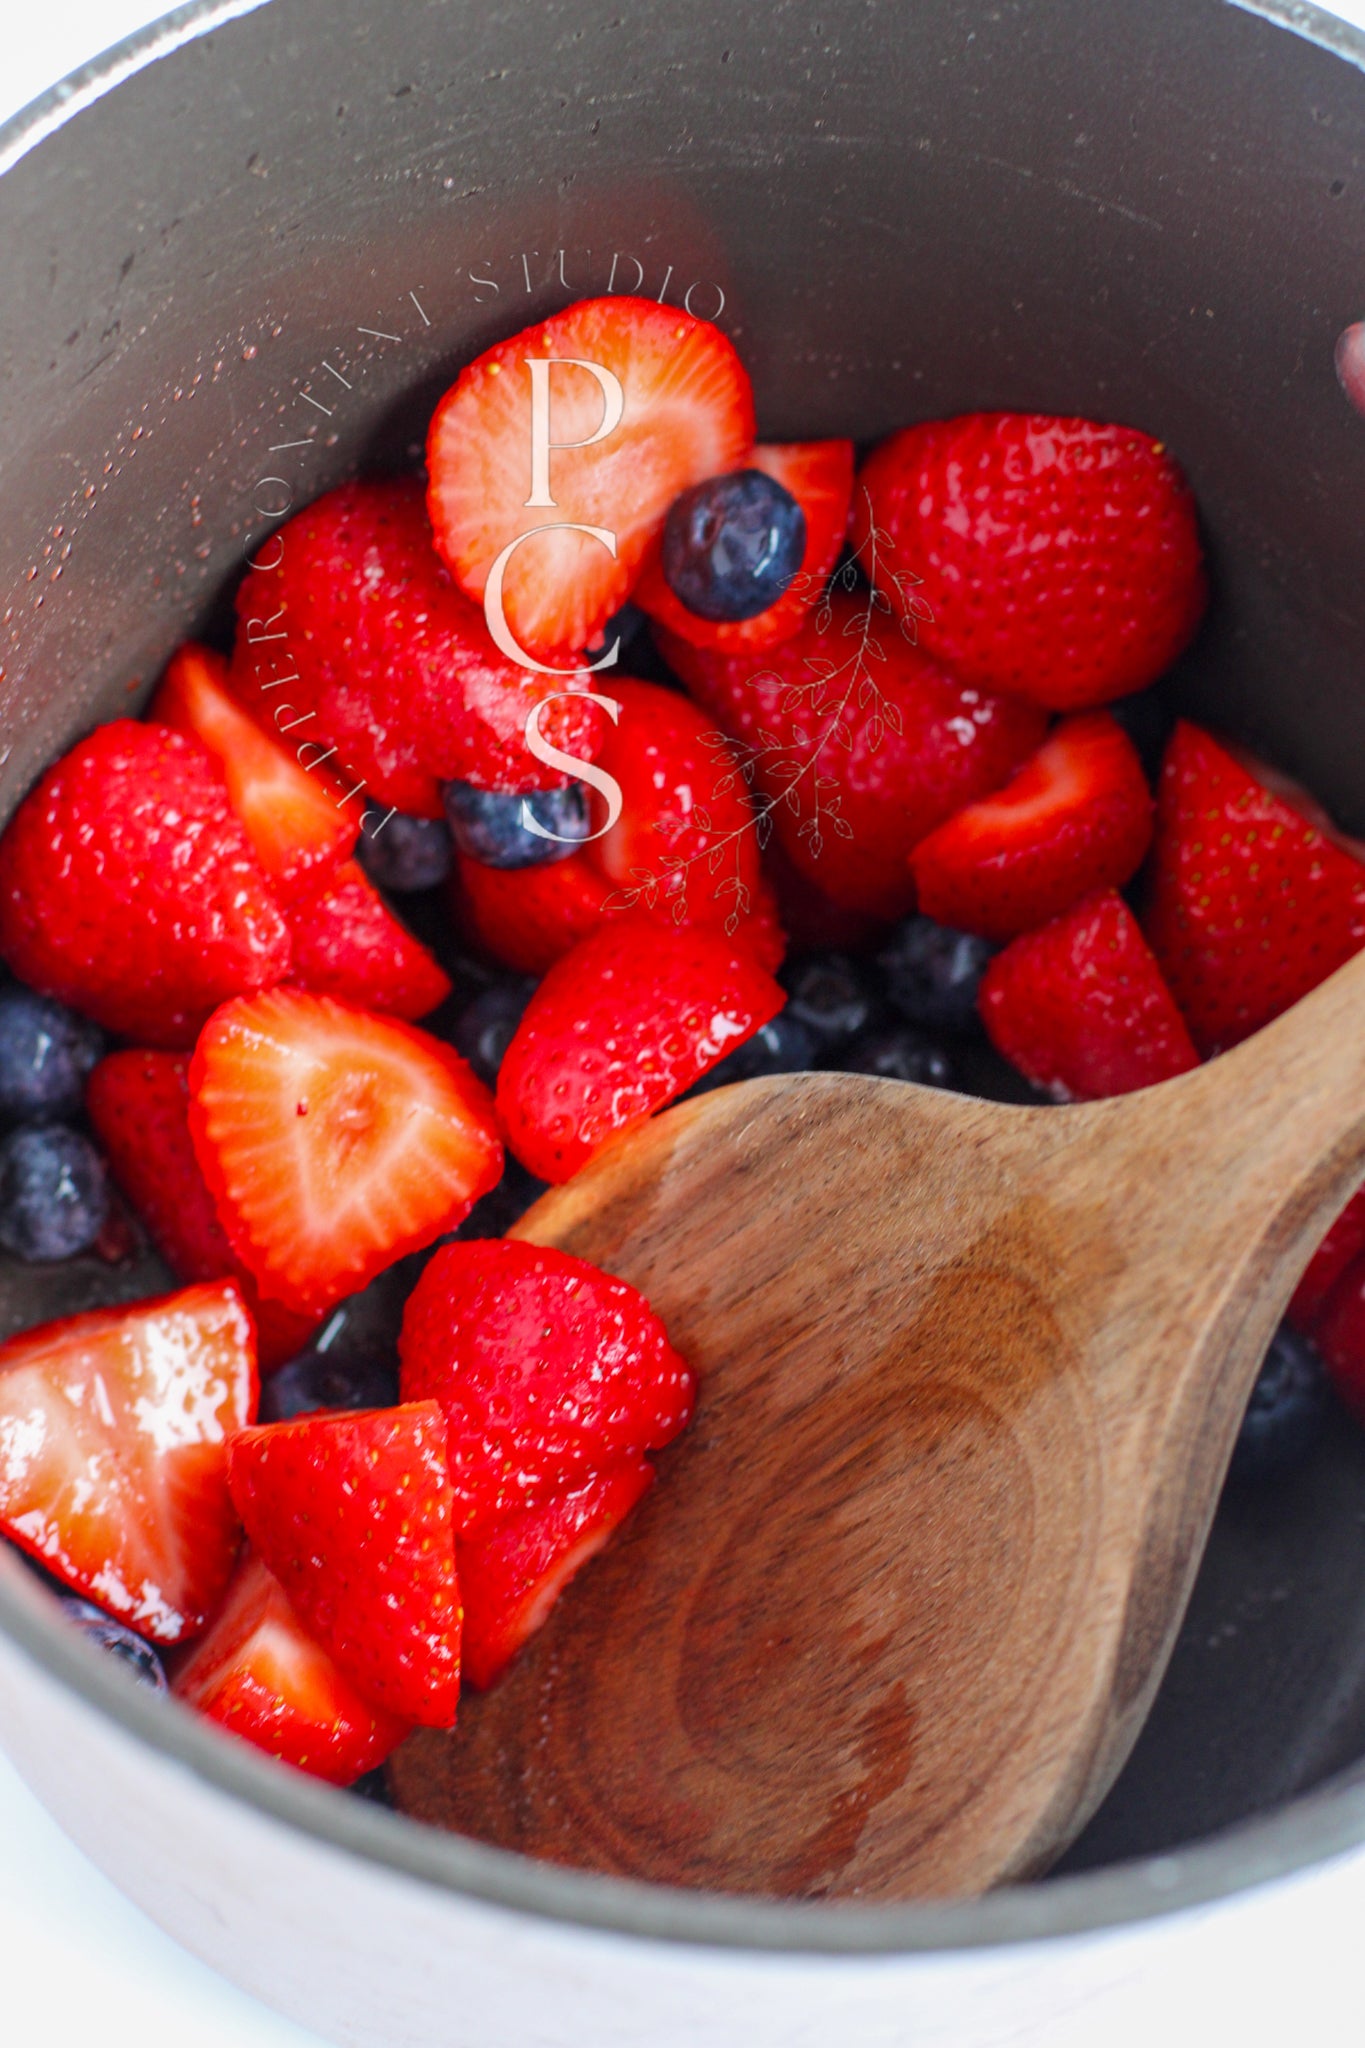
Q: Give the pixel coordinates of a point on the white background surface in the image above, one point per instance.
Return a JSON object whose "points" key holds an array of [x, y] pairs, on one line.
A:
{"points": [[79, 1966]]}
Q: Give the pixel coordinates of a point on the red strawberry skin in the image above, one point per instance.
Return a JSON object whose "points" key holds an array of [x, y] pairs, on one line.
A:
{"points": [[139, 1104], [352, 1513], [1339, 1334], [688, 414], [626, 1021], [529, 917], [113, 1452], [545, 1367], [1077, 817], [819, 475], [129, 890], [1054, 559], [388, 662], [347, 943], [897, 769], [513, 1575], [259, 1676], [1343, 1244], [1251, 906], [1080, 1006]]}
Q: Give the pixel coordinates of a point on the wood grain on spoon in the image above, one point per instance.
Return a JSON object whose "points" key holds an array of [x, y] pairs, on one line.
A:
{"points": [[970, 1377]]}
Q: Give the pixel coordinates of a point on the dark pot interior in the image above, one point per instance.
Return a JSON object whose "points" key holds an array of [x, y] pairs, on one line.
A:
{"points": [[263, 255]]}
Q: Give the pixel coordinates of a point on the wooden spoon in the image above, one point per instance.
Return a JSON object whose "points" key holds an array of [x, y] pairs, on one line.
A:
{"points": [[889, 1623]]}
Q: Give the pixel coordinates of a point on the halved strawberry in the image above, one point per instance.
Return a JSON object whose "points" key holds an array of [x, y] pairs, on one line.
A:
{"points": [[113, 1452], [334, 1141], [1080, 1007], [347, 943], [819, 475], [294, 820], [1344, 1243], [619, 1026], [512, 1578], [139, 1104], [259, 1675], [353, 1515], [688, 414], [1251, 904], [529, 917], [545, 1366], [1077, 817]]}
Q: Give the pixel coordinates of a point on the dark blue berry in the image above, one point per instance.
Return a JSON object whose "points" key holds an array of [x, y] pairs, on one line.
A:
{"points": [[490, 826], [107, 1634], [832, 996], [54, 1193], [900, 1054], [406, 853], [314, 1381], [933, 973], [783, 1046], [1149, 722], [484, 1029], [503, 1205], [374, 1786], [732, 545], [46, 1054], [1287, 1409], [621, 631]]}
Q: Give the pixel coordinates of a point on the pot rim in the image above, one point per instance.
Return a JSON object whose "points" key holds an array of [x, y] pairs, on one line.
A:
{"points": [[1322, 1825]]}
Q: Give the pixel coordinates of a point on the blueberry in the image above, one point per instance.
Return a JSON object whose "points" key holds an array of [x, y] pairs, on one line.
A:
{"points": [[621, 631], [1288, 1406], [933, 973], [374, 1786], [831, 996], [504, 1204], [484, 1029], [406, 853], [900, 1054], [107, 1634], [313, 1381], [54, 1193], [732, 545], [46, 1053], [489, 825], [1149, 723], [783, 1046]]}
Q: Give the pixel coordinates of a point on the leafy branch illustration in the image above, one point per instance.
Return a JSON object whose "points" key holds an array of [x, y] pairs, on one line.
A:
{"points": [[821, 712]]}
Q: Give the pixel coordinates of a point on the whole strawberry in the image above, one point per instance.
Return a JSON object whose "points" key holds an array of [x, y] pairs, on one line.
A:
{"points": [[1055, 559], [129, 890]]}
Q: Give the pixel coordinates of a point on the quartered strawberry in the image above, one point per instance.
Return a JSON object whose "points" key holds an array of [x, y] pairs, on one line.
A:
{"points": [[358, 641], [296, 822], [1054, 559], [129, 890], [1076, 817], [348, 943], [1080, 1007], [545, 1366], [619, 1026], [113, 1458], [261, 1677], [1343, 1244], [529, 917], [688, 414], [334, 1141], [861, 744], [1251, 905], [819, 475], [512, 1576], [139, 1104], [353, 1515]]}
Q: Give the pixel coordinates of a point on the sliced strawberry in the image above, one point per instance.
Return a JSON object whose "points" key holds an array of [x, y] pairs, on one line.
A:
{"points": [[347, 943], [334, 1141], [529, 917], [139, 1104], [545, 1366], [295, 821], [1251, 906], [257, 1674], [353, 1515], [688, 414], [113, 1459], [1343, 1244], [819, 475], [129, 890], [512, 1577], [1080, 1006], [1340, 1336], [858, 743], [812, 921], [619, 1026], [1077, 817]]}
